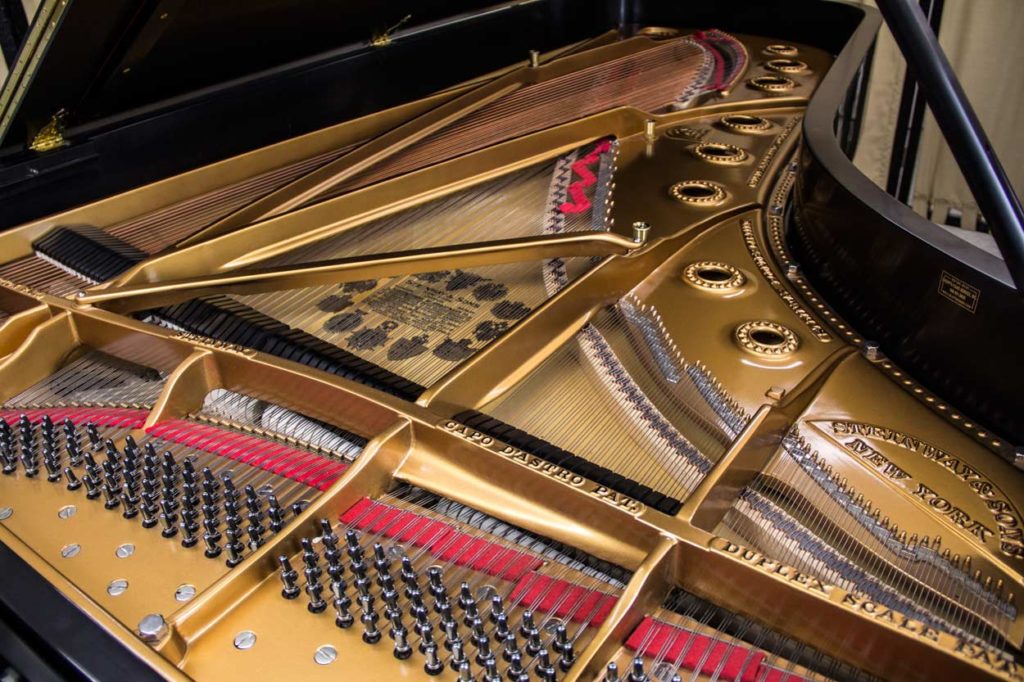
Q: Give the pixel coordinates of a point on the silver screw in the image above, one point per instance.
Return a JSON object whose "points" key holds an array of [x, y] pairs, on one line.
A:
{"points": [[68, 551], [124, 551], [534, 59], [5, 513], [185, 592], [650, 130], [325, 655], [67, 512], [871, 350], [152, 627], [245, 639], [117, 587], [793, 271]]}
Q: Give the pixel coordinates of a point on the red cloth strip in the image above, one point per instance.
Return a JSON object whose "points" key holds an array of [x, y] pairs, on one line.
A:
{"points": [[580, 202], [729, 661], [101, 416], [776, 675], [563, 599], [441, 539], [298, 465]]}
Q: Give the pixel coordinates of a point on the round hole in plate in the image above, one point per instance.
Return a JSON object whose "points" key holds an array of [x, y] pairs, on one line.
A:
{"points": [[782, 50], [713, 275], [745, 123], [786, 65], [766, 338], [719, 152], [772, 83], [698, 192], [124, 551]]}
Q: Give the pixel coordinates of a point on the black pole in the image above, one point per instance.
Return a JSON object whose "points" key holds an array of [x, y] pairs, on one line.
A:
{"points": [[910, 121], [963, 132]]}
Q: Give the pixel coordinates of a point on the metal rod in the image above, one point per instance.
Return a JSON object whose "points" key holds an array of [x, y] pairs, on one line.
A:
{"points": [[963, 132], [400, 263], [910, 121]]}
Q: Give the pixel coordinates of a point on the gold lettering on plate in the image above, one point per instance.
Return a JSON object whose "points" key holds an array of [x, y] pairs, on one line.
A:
{"points": [[531, 461], [766, 158], [214, 344], [771, 566], [747, 227], [1009, 528], [986, 657]]}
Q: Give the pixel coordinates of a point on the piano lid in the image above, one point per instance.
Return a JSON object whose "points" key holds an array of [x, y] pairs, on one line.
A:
{"points": [[88, 60]]}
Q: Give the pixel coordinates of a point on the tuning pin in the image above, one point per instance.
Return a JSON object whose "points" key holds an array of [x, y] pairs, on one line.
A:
{"points": [[91, 479], [544, 669], [371, 634], [188, 525], [355, 551], [510, 647], [402, 650], [567, 657], [464, 674], [483, 644], [212, 541], [611, 673], [343, 617], [169, 518], [73, 482], [435, 585], [309, 556], [10, 460], [450, 628], [459, 655], [314, 589], [53, 468], [529, 630], [408, 574], [561, 638], [111, 486], [433, 664], [95, 442], [130, 504], [419, 612], [234, 546], [637, 673], [46, 426], [515, 670], [501, 630], [255, 510], [130, 445], [148, 508], [113, 456], [274, 513], [491, 673]]}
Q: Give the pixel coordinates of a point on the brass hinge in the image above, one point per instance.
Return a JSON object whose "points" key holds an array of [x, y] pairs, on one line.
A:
{"points": [[384, 39], [51, 136]]}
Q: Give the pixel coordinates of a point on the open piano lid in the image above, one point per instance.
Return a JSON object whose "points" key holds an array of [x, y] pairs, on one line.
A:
{"points": [[96, 60]]}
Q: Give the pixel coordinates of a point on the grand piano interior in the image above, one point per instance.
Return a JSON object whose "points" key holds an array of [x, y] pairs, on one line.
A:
{"points": [[547, 340]]}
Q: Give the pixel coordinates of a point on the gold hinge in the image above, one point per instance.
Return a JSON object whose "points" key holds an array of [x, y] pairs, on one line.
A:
{"points": [[384, 39], [51, 136]]}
